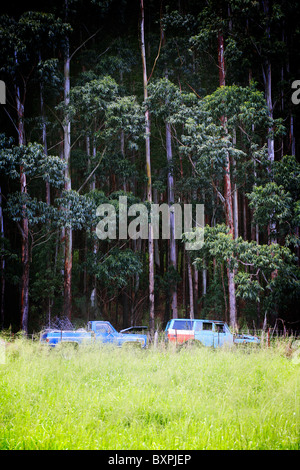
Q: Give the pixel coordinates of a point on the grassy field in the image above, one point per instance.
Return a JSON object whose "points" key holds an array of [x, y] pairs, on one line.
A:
{"points": [[106, 398]]}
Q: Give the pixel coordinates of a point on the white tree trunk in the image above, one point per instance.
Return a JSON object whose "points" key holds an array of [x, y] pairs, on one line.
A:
{"points": [[67, 157], [148, 170], [172, 245]]}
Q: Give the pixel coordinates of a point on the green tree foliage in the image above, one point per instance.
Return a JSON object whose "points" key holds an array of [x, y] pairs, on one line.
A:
{"points": [[255, 264], [204, 139]]}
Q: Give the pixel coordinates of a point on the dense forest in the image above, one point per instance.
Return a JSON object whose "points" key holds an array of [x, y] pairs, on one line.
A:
{"points": [[162, 101]]}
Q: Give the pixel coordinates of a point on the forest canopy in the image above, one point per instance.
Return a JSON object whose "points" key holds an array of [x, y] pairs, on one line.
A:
{"points": [[182, 103]]}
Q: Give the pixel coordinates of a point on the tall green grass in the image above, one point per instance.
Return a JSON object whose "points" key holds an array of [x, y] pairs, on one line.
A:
{"points": [[107, 398]]}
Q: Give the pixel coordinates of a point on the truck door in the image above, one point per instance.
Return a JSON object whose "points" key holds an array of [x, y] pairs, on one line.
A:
{"points": [[104, 333], [219, 334], [207, 334]]}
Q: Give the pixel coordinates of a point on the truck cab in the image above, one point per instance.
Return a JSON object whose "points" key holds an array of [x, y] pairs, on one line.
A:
{"points": [[101, 331], [213, 333], [104, 331]]}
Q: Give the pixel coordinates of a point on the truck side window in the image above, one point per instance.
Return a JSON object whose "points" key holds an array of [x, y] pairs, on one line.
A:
{"points": [[207, 326], [103, 329], [183, 325], [219, 328]]}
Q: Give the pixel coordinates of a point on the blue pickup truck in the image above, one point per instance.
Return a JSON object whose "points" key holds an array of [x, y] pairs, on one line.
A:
{"points": [[101, 331], [213, 333]]}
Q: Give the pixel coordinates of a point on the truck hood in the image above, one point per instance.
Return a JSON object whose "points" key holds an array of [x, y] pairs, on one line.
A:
{"points": [[246, 339], [134, 336], [134, 328]]}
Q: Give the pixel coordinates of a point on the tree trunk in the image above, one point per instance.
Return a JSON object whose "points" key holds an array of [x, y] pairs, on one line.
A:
{"points": [[172, 244], [191, 292], [235, 195], [227, 191], [267, 76], [229, 223], [221, 59], [67, 157], [292, 144], [156, 241], [44, 133], [245, 217], [47, 185], [255, 226], [125, 308], [24, 224], [268, 92], [196, 290], [148, 170], [204, 279]]}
